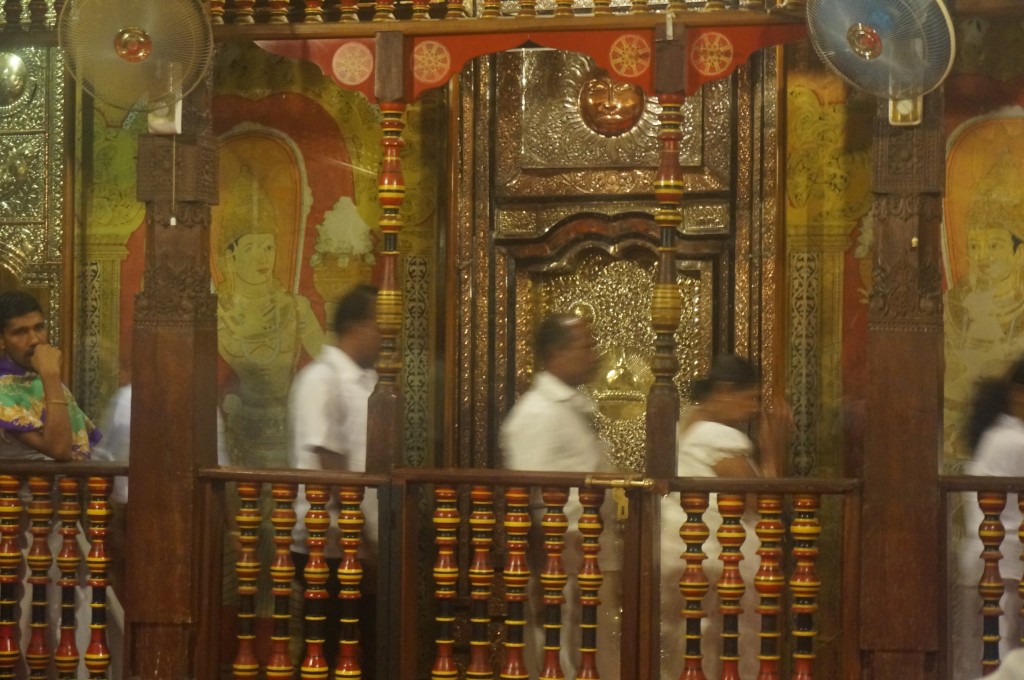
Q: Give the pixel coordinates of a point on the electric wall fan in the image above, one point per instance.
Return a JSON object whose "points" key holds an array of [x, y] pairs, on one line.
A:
{"points": [[895, 49], [140, 55]]}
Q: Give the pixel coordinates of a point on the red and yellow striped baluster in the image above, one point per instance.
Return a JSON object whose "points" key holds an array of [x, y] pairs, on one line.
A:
{"points": [[991, 532], [350, 578], [98, 512], [247, 569], [805, 583], [590, 578], [68, 559], [10, 564], [245, 12], [481, 581], [278, 12], [527, 8], [282, 571], [40, 513], [602, 7], [384, 10], [446, 575], [693, 584], [769, 583], [314, 12], [491, 9], [639, 7], [730, 586], [349, 10], [456, 9], [553, 578], [1020, 537], [318, 520], [563, 8], [516, 577], [391, 196], [216, 12]]}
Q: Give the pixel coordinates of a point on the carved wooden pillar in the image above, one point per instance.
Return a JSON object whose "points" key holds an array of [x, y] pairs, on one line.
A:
{"points": [[173, 608], [901, 515]]}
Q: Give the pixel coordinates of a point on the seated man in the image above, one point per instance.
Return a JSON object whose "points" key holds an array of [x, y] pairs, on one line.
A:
{"points": [[39, 418]]}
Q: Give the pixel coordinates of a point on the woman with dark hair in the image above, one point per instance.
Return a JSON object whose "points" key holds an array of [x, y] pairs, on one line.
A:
{"points": [[995, 433], [713, 441]]}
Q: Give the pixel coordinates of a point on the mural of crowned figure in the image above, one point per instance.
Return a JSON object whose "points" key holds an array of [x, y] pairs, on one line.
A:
{"points": [[262, 329]]}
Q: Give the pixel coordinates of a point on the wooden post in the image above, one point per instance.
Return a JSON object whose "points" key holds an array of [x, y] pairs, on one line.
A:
{"points": [[901, 517], [174, 594]]}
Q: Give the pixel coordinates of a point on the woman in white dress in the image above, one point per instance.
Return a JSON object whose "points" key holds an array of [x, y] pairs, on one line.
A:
{"points": [[713, 441]]}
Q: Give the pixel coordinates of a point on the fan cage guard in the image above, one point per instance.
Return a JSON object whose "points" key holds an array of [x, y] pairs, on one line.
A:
{"points": [[142, 55], [895, 49]]}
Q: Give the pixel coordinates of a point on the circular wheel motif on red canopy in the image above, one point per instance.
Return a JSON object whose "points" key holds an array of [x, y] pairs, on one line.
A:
{"points": [[352, 63], [711, 54], [630, 56], [431, 62]]}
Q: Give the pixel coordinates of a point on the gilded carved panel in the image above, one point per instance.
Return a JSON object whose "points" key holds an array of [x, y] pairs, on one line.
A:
{"points": [[32, 174], [615, 295]]}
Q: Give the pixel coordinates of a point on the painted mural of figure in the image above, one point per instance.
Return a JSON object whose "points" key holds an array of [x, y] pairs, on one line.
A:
{"points": [[263, 330], [984, 307]]}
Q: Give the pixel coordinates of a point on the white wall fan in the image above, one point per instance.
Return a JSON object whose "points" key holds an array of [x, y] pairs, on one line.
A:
{"points": [[895, 49], [138, 55]]}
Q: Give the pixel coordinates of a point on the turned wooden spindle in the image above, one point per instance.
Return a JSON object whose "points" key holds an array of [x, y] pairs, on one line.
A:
{"points": [[481, 582], [805, 584], [553, 579], [770, 583], [350, 579], [10, 565], [590, 578], [693, 584], [245, 12], [446, 575], [217, 12], [730, 586], [98, 511], [40, 514], [247, 569], [68, 560], [313, 12], [991, 586], [315, 574], [282, 571], [516, 577]]}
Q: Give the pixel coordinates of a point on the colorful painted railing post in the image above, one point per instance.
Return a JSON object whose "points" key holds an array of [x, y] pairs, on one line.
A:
{"points": [[805, 583], [282, 571], [98, 512], [349, 10], [40, 513], [316, 572], [278, 12], [492, 8], [350, 578], [516, 577], [10, 564], [446, 575], [663, 397], [693, 584], [481, 581], [590, 578], [730, 586], [247, 569], [314, 12], [770, 583], [68, 560], [217, 12], [245, 12], [991, 532], [553, 579]]}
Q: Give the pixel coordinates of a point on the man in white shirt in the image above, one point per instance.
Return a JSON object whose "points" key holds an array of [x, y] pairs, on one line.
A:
{"points": [[327, 410], [551, 428]]}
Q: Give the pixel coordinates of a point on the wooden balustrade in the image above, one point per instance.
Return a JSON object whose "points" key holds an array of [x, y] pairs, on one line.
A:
{"points": [[46, 517]]}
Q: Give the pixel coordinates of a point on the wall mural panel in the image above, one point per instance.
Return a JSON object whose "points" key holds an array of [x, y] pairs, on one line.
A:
{"points": [[294, 229]]}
